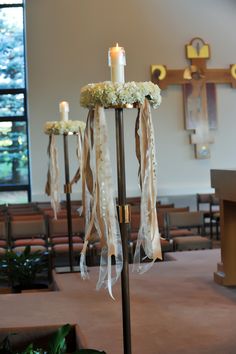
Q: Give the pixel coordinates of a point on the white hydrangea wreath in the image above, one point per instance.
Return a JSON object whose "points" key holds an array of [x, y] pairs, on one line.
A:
{"points": [[64, 127], [109, 94]]}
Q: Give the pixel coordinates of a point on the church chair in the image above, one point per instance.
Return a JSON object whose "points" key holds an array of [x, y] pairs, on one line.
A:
{"points": [[76, 202], [19, 211], [24, 213], [192, 221], [135, 207], [61, 214], [215, 216], [30, 205], [166, 245], [159, 205], [203, 201], [21, 208], [59, 227], [133, 200], [133, 232], [167, 241], [30, 231], [49, 212], [76, 205], [59, 239], [34, 216], [162, 214], [43, 205], [3, 209], [4, 241]]}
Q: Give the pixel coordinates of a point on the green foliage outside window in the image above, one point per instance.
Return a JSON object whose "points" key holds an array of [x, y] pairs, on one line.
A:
{"points": [[12, 48], [14, 166]]}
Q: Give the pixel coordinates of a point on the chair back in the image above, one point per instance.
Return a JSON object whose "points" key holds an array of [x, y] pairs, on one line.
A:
{"points": [[203, 201], [3, 230], [185, 220], [26, 228], [161, 216], [60, 226], [214, 203]]}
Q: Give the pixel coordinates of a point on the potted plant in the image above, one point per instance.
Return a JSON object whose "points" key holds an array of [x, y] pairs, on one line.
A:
{"points": [[22, 269], [57, 344]]}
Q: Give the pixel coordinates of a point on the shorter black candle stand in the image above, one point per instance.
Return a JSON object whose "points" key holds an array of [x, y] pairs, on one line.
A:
{"points": [[68, 190]]}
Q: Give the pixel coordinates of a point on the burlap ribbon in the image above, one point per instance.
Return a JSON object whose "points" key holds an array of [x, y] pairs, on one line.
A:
{"points": [[148, 236], [79, 149], [52, 187]]}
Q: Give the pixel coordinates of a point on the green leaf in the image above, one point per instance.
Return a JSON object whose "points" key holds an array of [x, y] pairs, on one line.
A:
{"points": [[57, 344], [5, 347], [28, 350], [21, 268], [26, 252]]}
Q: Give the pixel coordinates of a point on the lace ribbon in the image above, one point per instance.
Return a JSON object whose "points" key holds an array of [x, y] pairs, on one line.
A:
{"points": [[52, 187], [148, 236], [98, 200], [79, 150]]}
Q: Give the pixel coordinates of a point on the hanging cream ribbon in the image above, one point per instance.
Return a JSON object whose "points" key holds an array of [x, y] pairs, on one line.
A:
{"points": [[148, 236], [98, 200], [52, 187], [79, 146]]}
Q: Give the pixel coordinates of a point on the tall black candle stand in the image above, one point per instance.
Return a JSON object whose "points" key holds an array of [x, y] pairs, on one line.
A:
{"points": [[124, 216], [123, 212]]}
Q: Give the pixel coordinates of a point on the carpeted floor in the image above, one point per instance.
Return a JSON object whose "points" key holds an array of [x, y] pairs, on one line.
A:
{"points": [[176, 308]]}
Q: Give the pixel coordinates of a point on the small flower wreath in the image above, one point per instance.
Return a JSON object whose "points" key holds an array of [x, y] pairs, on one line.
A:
{"points": [[109, 94], [64, 127]]}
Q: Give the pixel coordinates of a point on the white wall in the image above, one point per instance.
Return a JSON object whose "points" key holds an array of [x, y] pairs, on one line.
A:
{"points": [[67, 44]]}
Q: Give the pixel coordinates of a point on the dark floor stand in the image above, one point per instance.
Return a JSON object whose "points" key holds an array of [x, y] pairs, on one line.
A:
{"points": [[123, 219], [123, 212], [67, 190]]}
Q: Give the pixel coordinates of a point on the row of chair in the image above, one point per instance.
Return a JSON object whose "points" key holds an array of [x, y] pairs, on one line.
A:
{"points": [[180, 228], [34, 224], [207, 202]]}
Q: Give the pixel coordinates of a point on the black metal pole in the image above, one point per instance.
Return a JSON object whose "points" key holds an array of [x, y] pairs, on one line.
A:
{"points": [[124, 230], [68, 201]]}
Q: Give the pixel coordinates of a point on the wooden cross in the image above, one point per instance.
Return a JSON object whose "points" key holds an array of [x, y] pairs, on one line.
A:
{"points": [[199, 92]]}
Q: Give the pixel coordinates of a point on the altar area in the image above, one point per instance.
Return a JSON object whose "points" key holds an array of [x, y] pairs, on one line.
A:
{"points": [[176, 308]]}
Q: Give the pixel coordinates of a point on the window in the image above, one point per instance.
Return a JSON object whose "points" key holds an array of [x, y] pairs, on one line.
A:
{"points": [[14, 153]]}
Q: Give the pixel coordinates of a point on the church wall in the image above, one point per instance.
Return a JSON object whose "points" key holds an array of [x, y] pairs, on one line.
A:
{"points": [[67, 45]]}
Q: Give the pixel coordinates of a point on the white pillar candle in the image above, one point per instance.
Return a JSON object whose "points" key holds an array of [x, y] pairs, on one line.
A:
{"points": [[117, 61], [64, 110]]}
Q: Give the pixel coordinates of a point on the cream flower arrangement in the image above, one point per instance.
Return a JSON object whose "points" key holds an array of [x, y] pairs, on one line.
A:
{"points": [[109, 94], [64, 127]]}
